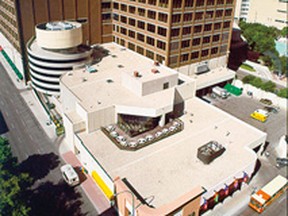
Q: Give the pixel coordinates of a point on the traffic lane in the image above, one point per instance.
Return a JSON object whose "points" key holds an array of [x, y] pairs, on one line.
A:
{"points": [[38, 154], [241, 107]]}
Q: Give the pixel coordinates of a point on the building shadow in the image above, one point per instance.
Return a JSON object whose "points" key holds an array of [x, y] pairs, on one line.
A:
{"points": [[54, 199], [256, 169], [3, 126], [109, 212], [38, 166]]}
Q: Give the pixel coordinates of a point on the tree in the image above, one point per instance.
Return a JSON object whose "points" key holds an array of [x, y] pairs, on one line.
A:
{"points": [[283, 93], [284, 32], [268, 86], [12, 183]]}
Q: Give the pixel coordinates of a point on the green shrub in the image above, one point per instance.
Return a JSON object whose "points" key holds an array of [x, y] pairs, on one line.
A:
{"points": [[283, 93]]}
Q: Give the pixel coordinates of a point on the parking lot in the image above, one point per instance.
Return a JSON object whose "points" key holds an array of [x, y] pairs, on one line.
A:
{"points": [[242, 106]]}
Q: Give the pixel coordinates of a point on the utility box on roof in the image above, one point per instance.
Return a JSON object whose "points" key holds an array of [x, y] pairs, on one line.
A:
{"points": [[208, 152]]}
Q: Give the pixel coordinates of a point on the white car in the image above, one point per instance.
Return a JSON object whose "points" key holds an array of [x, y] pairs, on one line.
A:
{"points": [[141, 141], [114, 134], [149, 137], [69, 175]]}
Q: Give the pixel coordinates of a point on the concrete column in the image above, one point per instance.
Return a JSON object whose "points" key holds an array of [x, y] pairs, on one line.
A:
{"points": [[162, 121]]}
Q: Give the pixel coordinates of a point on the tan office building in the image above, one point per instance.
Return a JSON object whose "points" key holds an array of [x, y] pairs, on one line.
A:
{"points": [[174, 32], [269, 12]]}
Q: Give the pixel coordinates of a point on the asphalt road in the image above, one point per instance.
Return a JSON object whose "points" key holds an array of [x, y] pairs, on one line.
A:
{"points": [[38, 156], [241, 107]]}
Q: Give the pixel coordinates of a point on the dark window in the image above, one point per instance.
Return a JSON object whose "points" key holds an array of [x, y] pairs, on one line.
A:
{"points": [[166, 85]]}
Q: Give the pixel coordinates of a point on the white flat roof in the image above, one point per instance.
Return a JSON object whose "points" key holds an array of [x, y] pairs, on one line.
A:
{"points": [[170, 168], [88, 87], [213, 77]]}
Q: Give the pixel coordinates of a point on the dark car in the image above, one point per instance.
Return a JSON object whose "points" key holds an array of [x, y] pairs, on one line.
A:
{"points": [[271, 109], [265, 101], [282, 161]]}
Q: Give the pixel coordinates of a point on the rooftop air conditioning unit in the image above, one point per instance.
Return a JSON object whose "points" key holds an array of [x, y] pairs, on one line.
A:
{"points": [[154, 70], [201, 68]]}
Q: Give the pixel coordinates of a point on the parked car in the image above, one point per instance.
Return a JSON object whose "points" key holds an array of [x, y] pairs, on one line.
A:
{"points": [[69, 175], [123, 142], [266, 101], [272, 109], [282, 161], [176, 124]]}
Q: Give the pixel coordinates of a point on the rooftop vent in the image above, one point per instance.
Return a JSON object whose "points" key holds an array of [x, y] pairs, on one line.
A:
{"points": [[210, 151], [154, 70], [202, 68], [84, 79], [109, 81], [114, 56], [156, 63], [136, 74], [120, 66]]}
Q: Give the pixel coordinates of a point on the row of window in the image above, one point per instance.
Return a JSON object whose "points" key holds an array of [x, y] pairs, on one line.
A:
{"points": [[175, 45], [140, 37], [199, 3], [200, 28], [142, 25], [139, 49], [7, 28], [158, 3], [197, 54], [200, 16]]}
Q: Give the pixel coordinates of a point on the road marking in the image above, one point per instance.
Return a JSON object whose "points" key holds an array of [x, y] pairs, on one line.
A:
{"points": [[7, 114], [30, 137], [280, 200], [17, 111], [12, 125]]}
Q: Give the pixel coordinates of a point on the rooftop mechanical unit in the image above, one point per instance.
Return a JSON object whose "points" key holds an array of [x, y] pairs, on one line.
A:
{"points": [[208, 152]]}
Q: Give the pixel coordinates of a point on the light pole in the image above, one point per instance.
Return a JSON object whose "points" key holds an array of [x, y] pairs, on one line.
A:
{"points": [[132, 195]]}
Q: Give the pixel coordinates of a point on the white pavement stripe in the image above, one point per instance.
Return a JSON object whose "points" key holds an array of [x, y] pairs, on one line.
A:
{"points": [[12, 125]]}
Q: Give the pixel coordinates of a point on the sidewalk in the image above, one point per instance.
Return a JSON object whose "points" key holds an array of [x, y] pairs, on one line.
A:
{"points": [[89, 186], [31, 100], [97, 198]]}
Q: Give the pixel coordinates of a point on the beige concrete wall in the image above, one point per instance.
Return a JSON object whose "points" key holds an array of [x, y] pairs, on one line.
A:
{"points": [[69, 133], [67, 98], [265, 12], [100, 118], [82, 113], [59, 39], [156, 85]]}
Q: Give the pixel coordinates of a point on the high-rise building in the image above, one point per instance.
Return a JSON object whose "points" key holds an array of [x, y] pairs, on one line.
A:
{"points": [[176, 33], [18, 19]]}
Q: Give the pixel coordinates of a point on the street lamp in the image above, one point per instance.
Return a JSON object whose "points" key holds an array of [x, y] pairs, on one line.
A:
{"points": [[132, 195]]}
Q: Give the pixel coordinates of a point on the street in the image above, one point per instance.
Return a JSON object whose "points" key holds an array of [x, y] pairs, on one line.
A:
{"points": [[38, 156], [241, 107]]}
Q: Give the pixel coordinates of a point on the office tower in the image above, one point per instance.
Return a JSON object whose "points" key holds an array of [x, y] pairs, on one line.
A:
{"points": [[177, 32]]}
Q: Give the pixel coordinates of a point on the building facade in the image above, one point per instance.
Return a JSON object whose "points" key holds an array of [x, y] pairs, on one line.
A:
{"points": [[18, 19], [269, 13], [175, 33], [56, 50]]}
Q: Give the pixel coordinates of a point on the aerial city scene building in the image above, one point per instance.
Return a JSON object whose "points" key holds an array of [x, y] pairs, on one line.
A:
{"points": [[145, 107]]}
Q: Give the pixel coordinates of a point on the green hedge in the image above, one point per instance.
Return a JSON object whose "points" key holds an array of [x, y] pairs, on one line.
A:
{"points": [[268, 86]]}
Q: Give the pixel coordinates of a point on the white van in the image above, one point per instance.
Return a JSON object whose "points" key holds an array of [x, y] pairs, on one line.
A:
{"points": [[70, 175]]}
